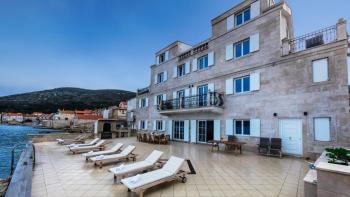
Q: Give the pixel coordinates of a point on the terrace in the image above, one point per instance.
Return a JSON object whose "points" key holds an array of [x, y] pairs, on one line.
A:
{"points": [[58, 173]]}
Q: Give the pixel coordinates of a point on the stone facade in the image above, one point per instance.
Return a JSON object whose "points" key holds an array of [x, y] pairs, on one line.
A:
{"points": [[285, 91]]}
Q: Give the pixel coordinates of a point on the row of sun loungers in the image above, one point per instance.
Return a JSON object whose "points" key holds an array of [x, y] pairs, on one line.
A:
{"points": [[131, 175]]}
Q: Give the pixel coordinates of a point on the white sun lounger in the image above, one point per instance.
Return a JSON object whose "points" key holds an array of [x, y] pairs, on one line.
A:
{"points": [[125, 154], [78, 139], [148, 163], [83, 149], [87, 144], [111, 151], [169, 172]]}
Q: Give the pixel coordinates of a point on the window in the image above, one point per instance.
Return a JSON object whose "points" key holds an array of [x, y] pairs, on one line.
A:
{"points": [[162, 58], [322, 129], [144, 102], [159, 99], [242, 17], [143, 124], [203, 62], [159, 125], [242, 84], [179, 130], [181, 70], [242, 127], [242, 48], [160, 77], [320, 70]]}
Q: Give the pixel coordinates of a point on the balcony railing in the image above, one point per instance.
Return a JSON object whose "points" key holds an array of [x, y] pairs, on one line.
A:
{"points": [[212, 99], [317, 38]]}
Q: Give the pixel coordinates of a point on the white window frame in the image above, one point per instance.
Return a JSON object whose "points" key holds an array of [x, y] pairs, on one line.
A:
{"points": [[143, 102], [242, 85], [143, 125], [242, 12], [183, 69], [242, 125], [159, 125], [198, 62]]}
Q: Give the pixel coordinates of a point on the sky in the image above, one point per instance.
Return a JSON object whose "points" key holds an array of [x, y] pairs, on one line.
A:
{"points": [[110, 44]]}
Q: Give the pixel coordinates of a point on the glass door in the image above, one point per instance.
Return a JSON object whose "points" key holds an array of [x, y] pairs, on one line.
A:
{"points": [[202, 131], [181, 97], [179, 130], [202, 95]]}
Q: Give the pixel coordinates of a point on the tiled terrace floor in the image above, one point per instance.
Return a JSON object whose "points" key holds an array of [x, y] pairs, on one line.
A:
{"points": [[58, 173]]}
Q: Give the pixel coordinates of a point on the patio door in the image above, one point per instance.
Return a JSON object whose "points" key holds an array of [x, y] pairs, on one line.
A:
{"points": [[205, 131], [202, 95], [181, 97], [179, 130], [291, 135]]}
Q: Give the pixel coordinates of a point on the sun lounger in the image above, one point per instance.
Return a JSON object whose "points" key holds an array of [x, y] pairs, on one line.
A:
{"points": [[126, 154], [148, 163], [169, 172], [78, 139], [100, 145], [87, 144], [114, 150]]}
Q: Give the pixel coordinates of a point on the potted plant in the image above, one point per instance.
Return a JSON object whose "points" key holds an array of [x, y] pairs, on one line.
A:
{"points": [[338, 155]]}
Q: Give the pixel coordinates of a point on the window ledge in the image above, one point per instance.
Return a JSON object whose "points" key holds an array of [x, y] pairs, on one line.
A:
{"points": [[242, 57], [321, 83], [243, 94]]}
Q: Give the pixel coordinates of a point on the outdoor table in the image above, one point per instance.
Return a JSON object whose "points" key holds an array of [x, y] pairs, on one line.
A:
{"points": [[228, 144]]}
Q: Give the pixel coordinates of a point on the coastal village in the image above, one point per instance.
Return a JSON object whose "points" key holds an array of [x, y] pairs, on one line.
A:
{"points": [[251, 111]]}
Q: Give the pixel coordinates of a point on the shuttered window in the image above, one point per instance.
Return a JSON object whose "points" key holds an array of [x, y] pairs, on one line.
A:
{"points": [[320, 70], [322, 129], [242, 17], [181, 70], [203, 62], [242, 127]]}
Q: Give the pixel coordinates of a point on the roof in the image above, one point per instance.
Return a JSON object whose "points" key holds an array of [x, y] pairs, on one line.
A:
{"points": [[88, 117]]}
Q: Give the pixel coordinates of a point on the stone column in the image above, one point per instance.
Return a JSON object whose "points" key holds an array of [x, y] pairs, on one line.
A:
{"points": [[341, 30]]}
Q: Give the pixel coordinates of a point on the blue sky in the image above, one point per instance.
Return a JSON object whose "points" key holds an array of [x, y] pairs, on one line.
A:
{"points": [[110, 44]]}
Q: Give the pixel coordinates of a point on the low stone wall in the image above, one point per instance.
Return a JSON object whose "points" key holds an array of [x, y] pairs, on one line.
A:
{"points": [[50, 137]]}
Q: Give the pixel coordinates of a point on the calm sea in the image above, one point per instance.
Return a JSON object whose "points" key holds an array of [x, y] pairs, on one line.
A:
{"points": [[10, 136]]}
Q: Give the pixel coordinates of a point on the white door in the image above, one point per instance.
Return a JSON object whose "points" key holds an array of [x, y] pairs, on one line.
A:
{"points": [[291, 135]]}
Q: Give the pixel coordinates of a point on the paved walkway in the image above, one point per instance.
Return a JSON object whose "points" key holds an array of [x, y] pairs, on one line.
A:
{"points": [[58, 173]]}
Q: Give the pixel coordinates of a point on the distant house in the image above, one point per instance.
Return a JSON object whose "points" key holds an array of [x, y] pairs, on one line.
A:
{"points": [[116, 113], [65, 115], [12, 117], [87, 115]]}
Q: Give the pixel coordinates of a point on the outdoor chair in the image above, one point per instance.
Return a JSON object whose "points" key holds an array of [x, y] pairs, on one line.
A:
{"points": [[93, 142], [114, 150], [125, 170], [100, 145], [264, 145], [163, 139], [169, 172], [276, 147], [126, 154]]}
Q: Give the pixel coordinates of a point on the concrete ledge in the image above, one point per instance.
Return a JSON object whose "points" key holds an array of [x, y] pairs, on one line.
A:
{"points": [[50, 137]]}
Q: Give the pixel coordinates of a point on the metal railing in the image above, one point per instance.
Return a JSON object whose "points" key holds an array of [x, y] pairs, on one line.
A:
{"points": [[207, 100], [317, 38]]}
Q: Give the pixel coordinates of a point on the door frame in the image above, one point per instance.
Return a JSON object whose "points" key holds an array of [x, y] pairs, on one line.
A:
{"points": [[301, 144], [206, 132]]}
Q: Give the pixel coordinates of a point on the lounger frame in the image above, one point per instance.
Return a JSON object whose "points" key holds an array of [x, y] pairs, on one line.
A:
{"points": [[100, 163]]}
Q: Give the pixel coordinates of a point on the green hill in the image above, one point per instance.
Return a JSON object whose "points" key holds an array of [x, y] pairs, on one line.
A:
{"points": [[49, 101]]}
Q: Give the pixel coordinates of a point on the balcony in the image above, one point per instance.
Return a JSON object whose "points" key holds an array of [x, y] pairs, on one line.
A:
{"points": [[212, 102]]}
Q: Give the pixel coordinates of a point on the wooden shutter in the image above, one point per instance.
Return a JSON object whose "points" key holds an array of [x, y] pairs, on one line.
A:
{"points": [[175, 72], [155, 78], [194, 65], [170, 129], [166, 55], [320, 70], [154, 125], [229, 86], [187, 67], [255, 81], [255, 127], [211, 87], [146, 124], [165, 75], [186, 130], [157, 60], [139, 103], [217, 132], [194, 91], [230, 22], [193, 131], [155, 100], [146, 102], [255, 9], [229, 127], [211, 59], [139, 125], [322, 129], [254, 42], [229, 52]]}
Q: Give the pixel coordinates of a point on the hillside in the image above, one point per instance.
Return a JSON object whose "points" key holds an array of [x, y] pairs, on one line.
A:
{"points": [[49, 101]]}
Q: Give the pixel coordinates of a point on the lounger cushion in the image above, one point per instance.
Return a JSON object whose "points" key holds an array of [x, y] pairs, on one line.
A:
{"points": [[131, 167], [146, 178], [128, 150], [88, 147], [87, 144], [108, 157], [106, 152], [173, 165], [154, 156]]}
